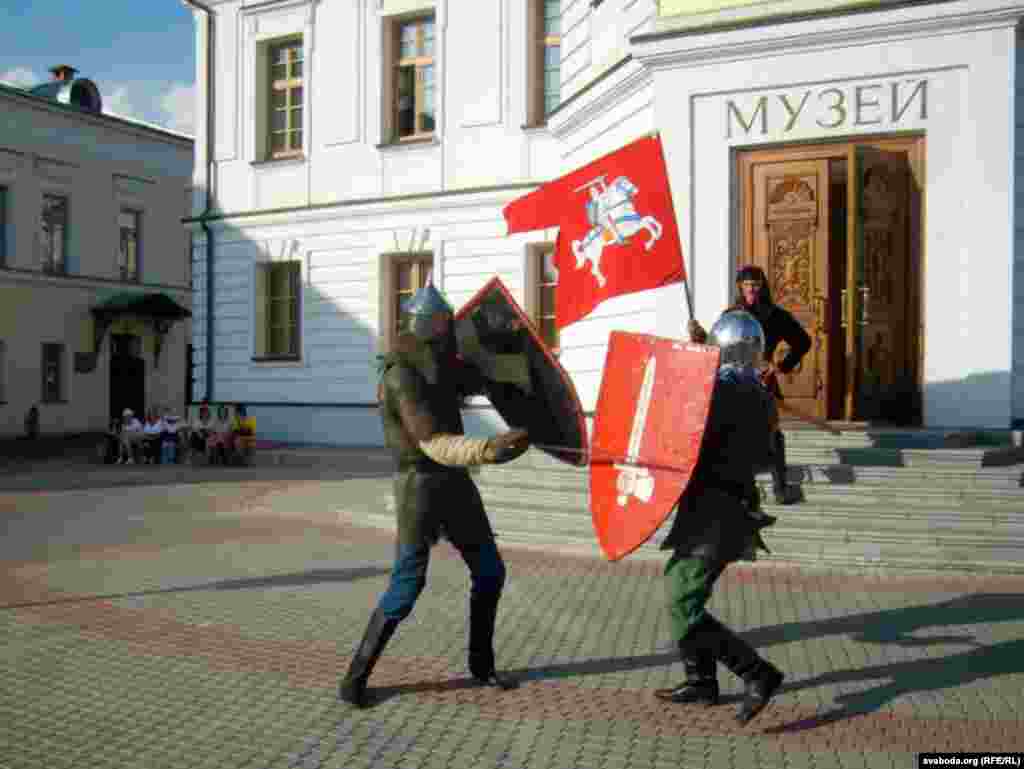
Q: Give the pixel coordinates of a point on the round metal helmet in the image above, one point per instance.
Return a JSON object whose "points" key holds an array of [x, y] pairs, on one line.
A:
{"points": [[740, 338], [419, 310]]}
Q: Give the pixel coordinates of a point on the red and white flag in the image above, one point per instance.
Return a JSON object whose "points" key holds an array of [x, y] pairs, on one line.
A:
{"points": [[617, 228]]}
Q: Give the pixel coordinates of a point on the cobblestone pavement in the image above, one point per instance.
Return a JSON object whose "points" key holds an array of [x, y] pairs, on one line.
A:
{"points": [[205, 624]]}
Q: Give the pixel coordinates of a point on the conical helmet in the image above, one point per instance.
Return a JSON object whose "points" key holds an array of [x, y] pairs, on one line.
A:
{"points": [[740, 337], [418, 311]]}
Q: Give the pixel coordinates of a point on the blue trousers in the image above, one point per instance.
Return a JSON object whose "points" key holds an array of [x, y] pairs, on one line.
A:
{"points": [[409, 576]]}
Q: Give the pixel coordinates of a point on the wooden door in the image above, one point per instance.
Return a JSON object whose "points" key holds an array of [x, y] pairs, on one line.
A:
{"points": [[878, 321], [787, 236]]}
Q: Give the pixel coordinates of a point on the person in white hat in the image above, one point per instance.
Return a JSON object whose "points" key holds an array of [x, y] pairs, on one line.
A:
{"points": [[131, 436]]}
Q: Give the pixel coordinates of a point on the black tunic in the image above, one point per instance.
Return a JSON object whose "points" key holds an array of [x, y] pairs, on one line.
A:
{"points": [[431, 500], [713, 520]]}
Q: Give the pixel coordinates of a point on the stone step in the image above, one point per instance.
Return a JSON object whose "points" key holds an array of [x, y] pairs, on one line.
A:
{"points": [[998, 482], [870, 508], [942, 541], [861, 456]]}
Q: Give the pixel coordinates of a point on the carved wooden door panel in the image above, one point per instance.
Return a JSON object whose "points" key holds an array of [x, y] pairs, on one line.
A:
{"points": [[789, 240], [875, 303]]}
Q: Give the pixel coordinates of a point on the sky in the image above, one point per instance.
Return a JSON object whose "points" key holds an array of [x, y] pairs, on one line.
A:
{"points": [[140, 53]]}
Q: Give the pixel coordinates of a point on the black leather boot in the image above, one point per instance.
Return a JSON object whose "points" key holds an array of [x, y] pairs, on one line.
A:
{"points": [[785, 493], [378, 633], [483, 612], [701, 684], [761, 679]]}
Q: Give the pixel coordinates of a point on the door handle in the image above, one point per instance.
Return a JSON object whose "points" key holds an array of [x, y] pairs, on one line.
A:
{"points": [[865, 297], [821, 313], [842, 308]]}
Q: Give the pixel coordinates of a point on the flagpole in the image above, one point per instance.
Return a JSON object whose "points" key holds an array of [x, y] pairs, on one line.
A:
{"points": [[689, 299]]}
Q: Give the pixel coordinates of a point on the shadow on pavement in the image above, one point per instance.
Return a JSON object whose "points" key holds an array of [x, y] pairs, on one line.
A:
{"points": [[892, 626], [299, 579], [926, 675]]}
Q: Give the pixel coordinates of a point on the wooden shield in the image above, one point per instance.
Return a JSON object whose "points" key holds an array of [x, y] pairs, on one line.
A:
{"points": [[527, 385], [651, 412]]}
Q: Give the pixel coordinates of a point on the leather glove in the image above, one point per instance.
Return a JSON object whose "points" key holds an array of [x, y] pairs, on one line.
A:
{"points": [[507, 446], [697, 332]]}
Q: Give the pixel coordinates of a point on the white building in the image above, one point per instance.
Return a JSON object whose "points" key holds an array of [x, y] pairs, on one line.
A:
{"points": [[863, 155], [93, 260]]}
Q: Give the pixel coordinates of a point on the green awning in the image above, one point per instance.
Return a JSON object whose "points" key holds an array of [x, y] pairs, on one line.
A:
{"points": [[152, 305]]}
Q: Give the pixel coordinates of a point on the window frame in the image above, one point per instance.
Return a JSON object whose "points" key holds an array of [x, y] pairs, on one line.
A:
{"points": [[61, 384], [121, 267], [423, 262], [535, 255], [540, 40], [288, 86], [3, 226], [395, 62], [47, 265], [262, 352]]}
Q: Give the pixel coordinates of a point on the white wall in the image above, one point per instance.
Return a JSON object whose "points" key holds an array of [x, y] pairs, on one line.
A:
{"points": [[1018, 264], [341, 251], [481, 62]]}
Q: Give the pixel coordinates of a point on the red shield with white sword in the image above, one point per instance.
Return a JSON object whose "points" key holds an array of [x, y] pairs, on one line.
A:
{"points": [[652, 409]]}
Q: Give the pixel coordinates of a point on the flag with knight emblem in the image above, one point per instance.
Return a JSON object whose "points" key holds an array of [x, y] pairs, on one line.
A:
{"points": [[617, 228]]}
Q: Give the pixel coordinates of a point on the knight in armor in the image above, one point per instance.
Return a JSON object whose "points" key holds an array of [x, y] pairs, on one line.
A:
{"points": [[719, 521], [754, 296], [423, 383]]}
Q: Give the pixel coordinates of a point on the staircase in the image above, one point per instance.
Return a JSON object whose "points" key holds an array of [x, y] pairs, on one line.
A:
{"points": [[887, 498]]}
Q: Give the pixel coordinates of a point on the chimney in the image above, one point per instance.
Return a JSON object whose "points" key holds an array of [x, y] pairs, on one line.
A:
{"points": [[63, 72]]}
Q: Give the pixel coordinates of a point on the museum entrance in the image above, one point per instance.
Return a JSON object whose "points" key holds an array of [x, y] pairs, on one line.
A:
{"points": [[837, 229]]}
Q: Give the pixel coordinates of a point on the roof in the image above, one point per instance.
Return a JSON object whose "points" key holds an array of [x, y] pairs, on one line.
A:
{"points": [[153, 305], [43, 98]]}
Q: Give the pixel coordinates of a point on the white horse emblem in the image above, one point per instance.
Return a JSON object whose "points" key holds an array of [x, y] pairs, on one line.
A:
{"points": [[613, 219]]}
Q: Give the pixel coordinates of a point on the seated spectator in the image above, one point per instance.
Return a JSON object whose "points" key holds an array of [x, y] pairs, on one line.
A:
{"points": [[169, 439], [32, 423], [152, 430], [200, 430], [222, 438], [131, 437], [245, 433], [111, 449]]}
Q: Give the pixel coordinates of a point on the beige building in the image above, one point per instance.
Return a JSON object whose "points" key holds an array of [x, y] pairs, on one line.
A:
{"points": [[94, 263]]}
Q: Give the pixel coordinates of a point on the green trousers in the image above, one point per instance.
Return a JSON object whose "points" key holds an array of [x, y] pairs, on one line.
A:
{"points": [[688, 585]]}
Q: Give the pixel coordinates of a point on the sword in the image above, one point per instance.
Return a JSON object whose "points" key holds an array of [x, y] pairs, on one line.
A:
{"points": [[609, 219], [635, 480]]}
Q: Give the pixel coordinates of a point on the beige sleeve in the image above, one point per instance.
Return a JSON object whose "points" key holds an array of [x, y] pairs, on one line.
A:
{"points": [[456, 450]]}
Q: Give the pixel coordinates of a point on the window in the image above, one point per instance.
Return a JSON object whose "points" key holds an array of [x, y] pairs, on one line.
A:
{"points": [[545, 282], [53, 233], [3, 228], [278, 308], [413, 85], [285, 119], [402, 275], [53, 357], [552, 42], [128, 256], [544, 59]]}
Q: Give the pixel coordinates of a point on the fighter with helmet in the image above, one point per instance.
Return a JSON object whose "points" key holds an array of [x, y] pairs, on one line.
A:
{"points": [[719, 521], [423, 383]]}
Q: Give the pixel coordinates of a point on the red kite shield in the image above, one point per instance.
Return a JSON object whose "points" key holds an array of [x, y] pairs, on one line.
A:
{"points": [[651, 412]]}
